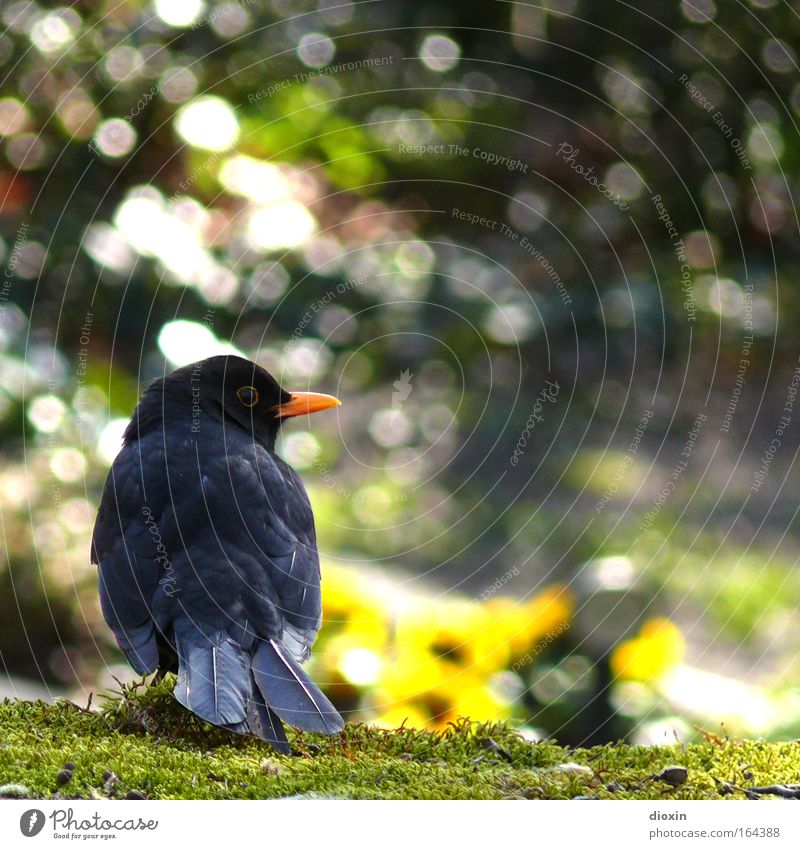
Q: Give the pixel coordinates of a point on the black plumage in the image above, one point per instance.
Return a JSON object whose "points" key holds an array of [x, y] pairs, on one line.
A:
{"points": [[207, 553]]}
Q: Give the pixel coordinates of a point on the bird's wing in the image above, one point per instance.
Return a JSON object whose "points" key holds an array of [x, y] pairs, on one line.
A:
{"points": [[126, 554], [281, 564]]}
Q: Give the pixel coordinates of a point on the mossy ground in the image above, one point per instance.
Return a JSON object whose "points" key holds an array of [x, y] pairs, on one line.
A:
{"points": [[143, 742]]}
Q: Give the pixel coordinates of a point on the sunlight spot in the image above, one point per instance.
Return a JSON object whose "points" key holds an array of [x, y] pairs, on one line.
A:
{"points": [[179, 13], [300, 449], [183, 342], [281, 225], [208, 123], [109, 443], [68, 464], [360, 666], [14, 116], [115, 137], [260, 181], [315, 50], [439, 53], [46, 413]]}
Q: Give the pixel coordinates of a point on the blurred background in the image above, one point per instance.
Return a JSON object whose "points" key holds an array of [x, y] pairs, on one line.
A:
{"points": [[546, 254]]}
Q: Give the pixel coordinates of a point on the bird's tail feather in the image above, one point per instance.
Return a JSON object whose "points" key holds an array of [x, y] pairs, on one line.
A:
{"points": [[139, 646], [290, 693], [264, 723], [226, 685], [214, 679]]}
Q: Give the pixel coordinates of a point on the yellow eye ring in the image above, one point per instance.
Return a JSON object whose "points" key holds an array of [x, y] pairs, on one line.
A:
{"points": [[247, 395]]}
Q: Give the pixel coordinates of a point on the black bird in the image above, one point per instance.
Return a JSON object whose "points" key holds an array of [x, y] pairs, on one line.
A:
{"points": [[207, 553]]}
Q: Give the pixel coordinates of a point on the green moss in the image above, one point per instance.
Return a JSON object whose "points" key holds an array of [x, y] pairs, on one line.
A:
{"points": [[143, 741]]}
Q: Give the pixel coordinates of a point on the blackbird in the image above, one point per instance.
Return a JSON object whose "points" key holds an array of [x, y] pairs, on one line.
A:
{"points": [[207, 553]]}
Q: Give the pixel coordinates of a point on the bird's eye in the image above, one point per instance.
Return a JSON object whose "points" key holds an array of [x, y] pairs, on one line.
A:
{"points": [[247, 395]]}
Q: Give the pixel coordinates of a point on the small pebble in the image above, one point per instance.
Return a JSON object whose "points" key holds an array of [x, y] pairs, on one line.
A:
{"points": [[135, 794], [110, 781], [64, 777], [673, 775], [270, 767]]}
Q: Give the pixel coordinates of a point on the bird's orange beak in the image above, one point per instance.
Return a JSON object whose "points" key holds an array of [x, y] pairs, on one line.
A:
{"points": [[303, 403]]}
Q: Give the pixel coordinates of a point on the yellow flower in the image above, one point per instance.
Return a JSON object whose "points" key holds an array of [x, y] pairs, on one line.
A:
{"points": [[409, 674], [459, 633], [427, 660], [463, 694], [477, 701], [548, 610], [521, 625], [344, 590], [647, 657], [403, 713], [434, 701]]}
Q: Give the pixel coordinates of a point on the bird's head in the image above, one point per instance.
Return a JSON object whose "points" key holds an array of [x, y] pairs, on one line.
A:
{"points": [[226, 389]]}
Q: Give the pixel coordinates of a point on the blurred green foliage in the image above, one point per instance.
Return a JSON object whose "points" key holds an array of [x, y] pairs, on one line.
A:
{"points": [[307, 185]]}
